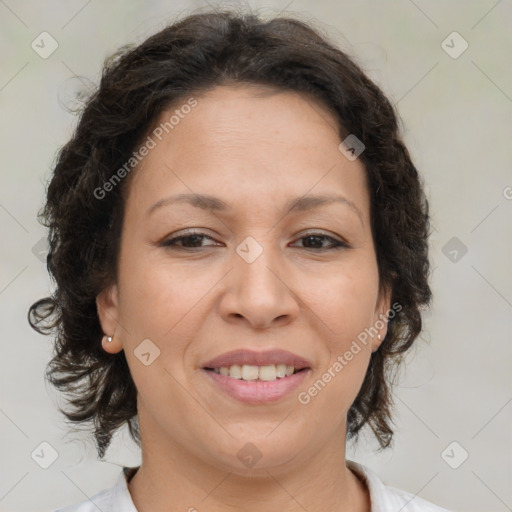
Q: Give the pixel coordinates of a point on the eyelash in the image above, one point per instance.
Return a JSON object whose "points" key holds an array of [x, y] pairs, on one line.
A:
{"points": [[336, 244]]}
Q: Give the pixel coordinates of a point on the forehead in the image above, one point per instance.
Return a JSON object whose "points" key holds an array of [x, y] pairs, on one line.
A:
{"points": [[248, 141]]}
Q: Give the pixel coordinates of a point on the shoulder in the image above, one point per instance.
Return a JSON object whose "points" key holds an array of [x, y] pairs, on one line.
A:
{"points": [[389, 499], [100, 501], [383, 498], [108, 500]]}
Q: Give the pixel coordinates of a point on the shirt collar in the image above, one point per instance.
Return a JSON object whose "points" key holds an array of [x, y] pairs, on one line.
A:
{"points": [[380, 498], [121, 497]]}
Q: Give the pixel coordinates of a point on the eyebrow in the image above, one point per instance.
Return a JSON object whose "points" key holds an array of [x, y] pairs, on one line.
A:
{"points": [[298, 204]]}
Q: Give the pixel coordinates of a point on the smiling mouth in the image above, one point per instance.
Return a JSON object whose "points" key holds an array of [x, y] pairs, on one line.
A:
{"points": [[247, 372]]}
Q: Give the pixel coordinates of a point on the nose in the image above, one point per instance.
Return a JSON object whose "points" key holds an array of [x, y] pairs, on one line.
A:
{"points": [[259, 292]]}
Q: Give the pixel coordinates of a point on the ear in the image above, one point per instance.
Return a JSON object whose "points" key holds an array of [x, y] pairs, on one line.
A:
{"points": [[380, 320], [107, 305]]}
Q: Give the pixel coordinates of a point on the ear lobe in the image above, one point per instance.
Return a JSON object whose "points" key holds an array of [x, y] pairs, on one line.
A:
{"points": [[381, 317], [107, 305]]}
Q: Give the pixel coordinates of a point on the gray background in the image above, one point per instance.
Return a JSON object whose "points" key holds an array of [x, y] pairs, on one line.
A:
{"points": [[456, 115]]}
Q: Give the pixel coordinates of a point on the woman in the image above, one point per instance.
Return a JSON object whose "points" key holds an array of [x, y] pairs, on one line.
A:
{"points": [[239, 242]]}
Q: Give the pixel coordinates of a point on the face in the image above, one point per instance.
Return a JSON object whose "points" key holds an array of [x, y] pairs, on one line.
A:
{"points": [[246, 272]]}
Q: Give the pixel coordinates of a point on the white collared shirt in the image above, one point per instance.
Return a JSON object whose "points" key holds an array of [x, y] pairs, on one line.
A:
{"points": [[382, 497]]}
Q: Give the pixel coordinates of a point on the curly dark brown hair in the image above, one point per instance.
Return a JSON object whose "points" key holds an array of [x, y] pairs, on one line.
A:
{"points": [[138, 82]]}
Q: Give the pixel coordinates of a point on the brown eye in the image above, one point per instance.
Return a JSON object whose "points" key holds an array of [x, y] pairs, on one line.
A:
{"points": [[314, 241], [189, 241]]}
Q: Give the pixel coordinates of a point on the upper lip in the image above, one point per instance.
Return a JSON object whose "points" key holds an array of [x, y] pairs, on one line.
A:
{"points": [[253, 358]]}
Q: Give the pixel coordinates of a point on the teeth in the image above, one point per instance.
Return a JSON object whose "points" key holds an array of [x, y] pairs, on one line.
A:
{"points": [[235, 371], [281, 370], [249, 372], [268, 372]]}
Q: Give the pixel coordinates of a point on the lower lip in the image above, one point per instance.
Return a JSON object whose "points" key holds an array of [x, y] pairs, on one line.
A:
{"points": [[257, 391]]}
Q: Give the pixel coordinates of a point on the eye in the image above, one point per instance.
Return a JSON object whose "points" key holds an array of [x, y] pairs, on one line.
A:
{"points": [[189, 241], [315, 240]]}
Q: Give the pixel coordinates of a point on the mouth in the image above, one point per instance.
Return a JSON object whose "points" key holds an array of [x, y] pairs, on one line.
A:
{"points": [[265, 373], [257, 377]]}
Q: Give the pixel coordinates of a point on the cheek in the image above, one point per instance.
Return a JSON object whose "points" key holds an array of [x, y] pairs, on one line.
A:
{"points": [[158, 305], [347, 307], [164, 303], [157, 295], [348, 299]]}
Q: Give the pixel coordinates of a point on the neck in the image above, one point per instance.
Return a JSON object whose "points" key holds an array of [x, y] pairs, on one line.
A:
{"points": [[170, 474]]}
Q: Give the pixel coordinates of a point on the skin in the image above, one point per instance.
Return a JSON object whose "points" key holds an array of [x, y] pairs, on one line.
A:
{"points": [[197, 305]]}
